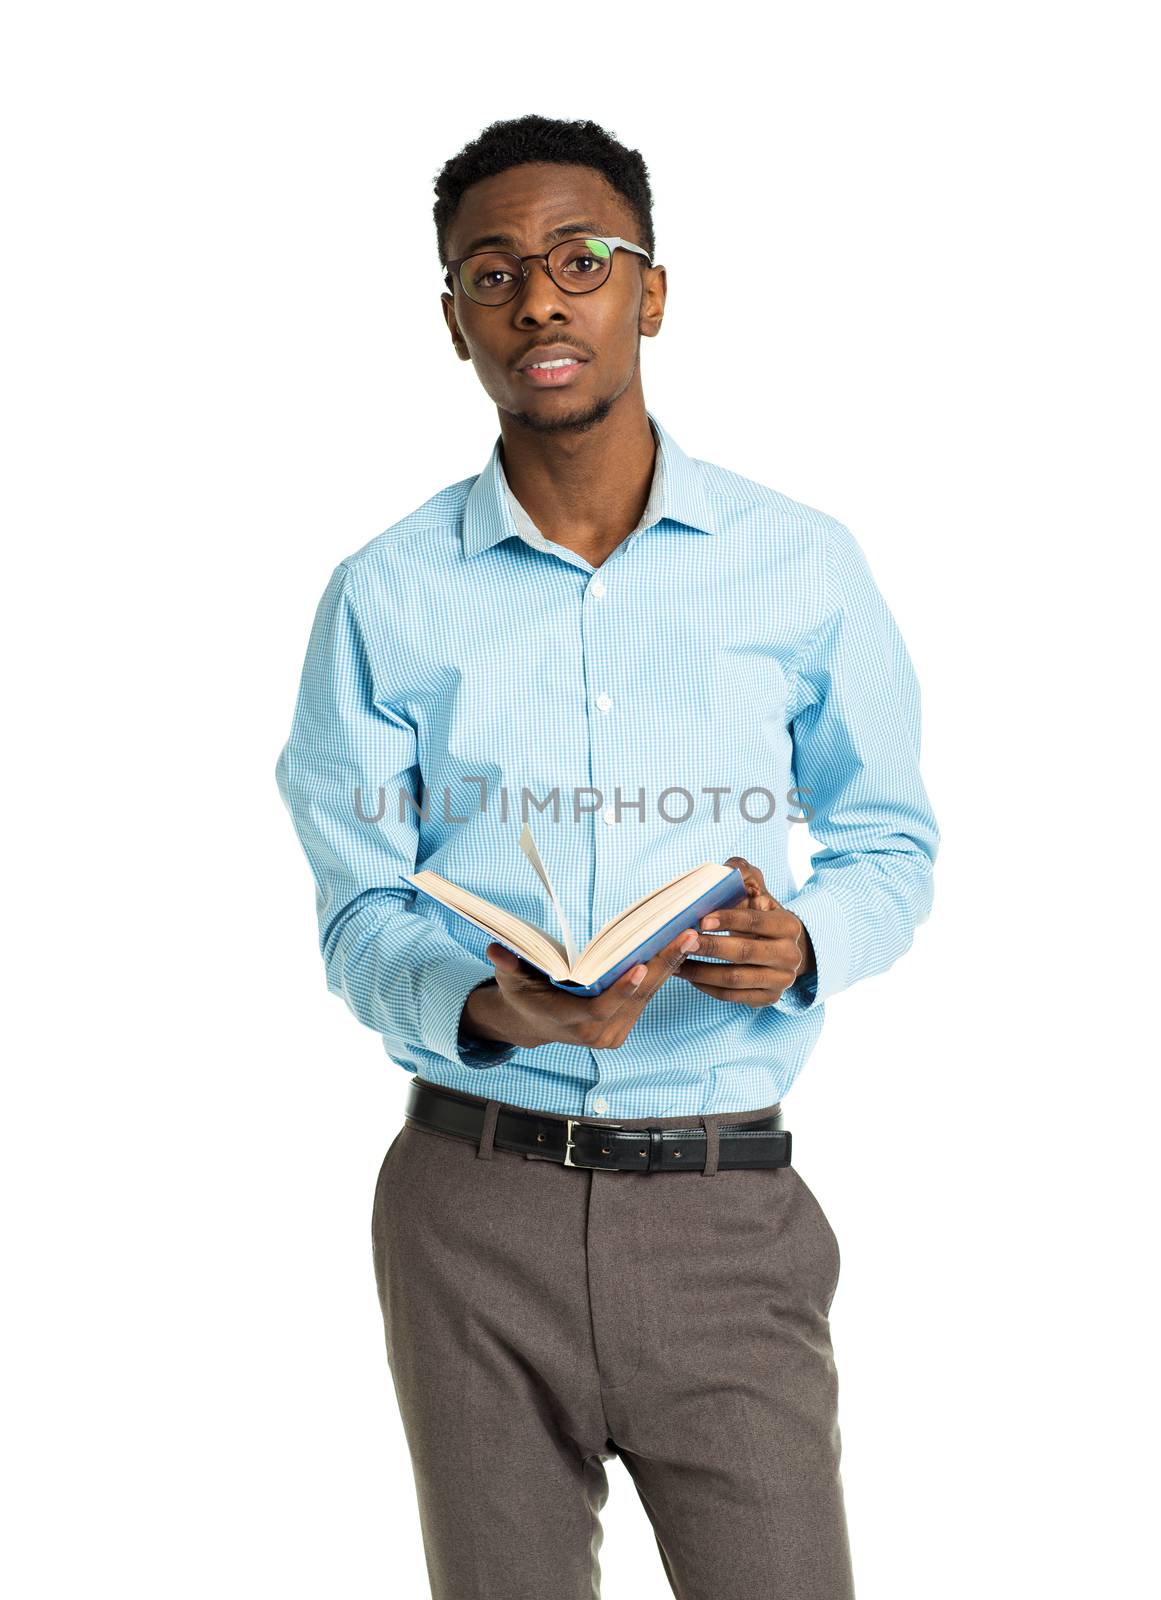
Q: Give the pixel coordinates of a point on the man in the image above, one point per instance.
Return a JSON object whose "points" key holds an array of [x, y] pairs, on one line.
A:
{"points": [[671, 663]]}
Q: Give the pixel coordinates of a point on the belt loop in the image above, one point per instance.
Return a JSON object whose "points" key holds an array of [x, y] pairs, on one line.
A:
{"points": [[656, 1151], [711, 1145], [488, 1131]]}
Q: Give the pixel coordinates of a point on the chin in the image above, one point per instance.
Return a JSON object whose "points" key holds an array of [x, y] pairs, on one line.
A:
{"points": [[579, 419]]}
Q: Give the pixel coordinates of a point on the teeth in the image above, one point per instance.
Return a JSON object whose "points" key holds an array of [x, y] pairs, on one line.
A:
{"points": [[570, 361]]}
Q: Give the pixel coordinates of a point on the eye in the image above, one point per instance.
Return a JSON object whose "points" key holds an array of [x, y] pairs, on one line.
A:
{"points": [[584, 258], [577, 261]]}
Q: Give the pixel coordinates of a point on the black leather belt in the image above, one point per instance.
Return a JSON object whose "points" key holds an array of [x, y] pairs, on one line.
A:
{"points": [[605, 1146]]}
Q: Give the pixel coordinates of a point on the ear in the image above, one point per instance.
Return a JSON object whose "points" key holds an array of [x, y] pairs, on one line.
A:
{"points": [[449, 316], [652, 302]]}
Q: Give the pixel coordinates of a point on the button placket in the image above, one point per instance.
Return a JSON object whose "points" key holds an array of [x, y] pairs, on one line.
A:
{"points": [[595, 668]]}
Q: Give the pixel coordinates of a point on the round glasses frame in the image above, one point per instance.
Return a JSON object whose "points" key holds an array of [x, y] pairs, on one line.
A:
{"points": [[453, 273]]}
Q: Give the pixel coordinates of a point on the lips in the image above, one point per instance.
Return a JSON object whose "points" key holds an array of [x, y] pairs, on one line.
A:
{"points": [[549, 352], [553, 377]]}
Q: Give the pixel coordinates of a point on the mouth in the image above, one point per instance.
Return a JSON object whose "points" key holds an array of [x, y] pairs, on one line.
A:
{"points": [[553, 372]]}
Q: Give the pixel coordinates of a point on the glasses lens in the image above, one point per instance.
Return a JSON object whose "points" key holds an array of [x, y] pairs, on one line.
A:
{"points": [[581, 264], [491, 277]]}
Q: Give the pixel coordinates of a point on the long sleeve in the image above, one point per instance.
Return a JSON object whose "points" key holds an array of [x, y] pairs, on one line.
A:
{"points": [[855, 726], [401, 973]]}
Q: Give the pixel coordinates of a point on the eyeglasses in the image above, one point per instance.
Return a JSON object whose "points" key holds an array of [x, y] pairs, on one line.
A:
{"points": [[493, 277]]}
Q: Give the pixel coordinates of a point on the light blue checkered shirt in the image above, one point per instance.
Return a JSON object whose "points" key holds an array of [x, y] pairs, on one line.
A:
{"points": [[730, 665]]}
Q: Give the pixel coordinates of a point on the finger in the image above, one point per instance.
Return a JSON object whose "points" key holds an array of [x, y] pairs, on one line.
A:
{"points": [[666, 962], [618, 995], [512, 969], [759, 898], [663, 965], [751, 949], [627, 984], [751, 879], [732, 976], [774, 923], [755, 883], [742, 997]]}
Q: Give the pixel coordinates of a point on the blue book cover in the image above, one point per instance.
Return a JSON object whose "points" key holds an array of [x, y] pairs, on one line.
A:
{"points": [[710, 887], [731, 891]]}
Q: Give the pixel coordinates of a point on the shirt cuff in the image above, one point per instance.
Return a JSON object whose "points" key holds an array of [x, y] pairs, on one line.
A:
{"points": [[446, 988], [825, 921]]}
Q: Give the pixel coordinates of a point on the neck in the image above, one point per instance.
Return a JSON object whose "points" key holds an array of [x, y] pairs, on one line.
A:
{"points": [[583, 488]]}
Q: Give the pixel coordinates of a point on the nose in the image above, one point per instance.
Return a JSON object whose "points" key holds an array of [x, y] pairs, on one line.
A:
{"points": [[539, 298]]}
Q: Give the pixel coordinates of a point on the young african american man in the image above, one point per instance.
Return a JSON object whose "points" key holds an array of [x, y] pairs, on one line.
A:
{"points": [[588, 1237]]}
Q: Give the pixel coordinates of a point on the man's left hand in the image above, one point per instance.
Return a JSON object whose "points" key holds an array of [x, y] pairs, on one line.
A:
{"points": [[766, 947]]}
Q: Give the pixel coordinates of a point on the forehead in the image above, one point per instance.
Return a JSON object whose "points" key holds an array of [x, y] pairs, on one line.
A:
{"points": [[526, 203]]}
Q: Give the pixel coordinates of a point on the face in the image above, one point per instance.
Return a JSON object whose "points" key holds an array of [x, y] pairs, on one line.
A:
{"points": [[603, 327]]}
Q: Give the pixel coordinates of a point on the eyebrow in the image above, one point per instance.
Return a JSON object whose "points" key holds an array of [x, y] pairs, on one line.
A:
{"points": [[485, 241]]}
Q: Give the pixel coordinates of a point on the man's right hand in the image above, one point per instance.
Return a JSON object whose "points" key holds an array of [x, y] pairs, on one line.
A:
{"points": [[524, 1009]]}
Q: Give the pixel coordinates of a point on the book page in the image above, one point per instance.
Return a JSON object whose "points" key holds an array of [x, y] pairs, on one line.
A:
{"points": [[540, 948], [653, 894], [528, 845], [635, 924]]}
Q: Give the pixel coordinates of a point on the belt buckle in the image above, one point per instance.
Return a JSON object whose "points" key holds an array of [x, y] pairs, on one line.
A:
{"points": [[583, 1166]]}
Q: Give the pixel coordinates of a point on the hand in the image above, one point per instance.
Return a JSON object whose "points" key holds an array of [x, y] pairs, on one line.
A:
{"points": [[523, 1008], [766, 946]]}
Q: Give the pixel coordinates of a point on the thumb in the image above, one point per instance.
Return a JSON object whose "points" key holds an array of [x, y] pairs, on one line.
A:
{"points": [[503, 959], [508, 964], [757, 894], [752, 877]]}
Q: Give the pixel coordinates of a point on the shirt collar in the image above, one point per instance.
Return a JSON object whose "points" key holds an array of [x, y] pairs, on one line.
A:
{"points": [[677, 494]]}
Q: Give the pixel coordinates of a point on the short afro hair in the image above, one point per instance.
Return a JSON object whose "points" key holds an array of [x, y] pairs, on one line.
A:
{"points": [[513, 143]]}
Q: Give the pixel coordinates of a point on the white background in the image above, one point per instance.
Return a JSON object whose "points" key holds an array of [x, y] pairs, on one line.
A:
{"points": [[910, 283]]}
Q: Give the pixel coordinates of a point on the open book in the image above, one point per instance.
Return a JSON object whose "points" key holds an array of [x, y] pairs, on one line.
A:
{"points": [[634, 935]]}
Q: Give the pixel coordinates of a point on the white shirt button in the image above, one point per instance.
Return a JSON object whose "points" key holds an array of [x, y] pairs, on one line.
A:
{"points": [[600, 1104], [604, 701], [596, 588], [609, 814]]}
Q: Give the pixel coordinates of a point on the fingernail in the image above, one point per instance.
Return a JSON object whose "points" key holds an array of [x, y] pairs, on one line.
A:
{"points": [[689, 941], [637, 977], [710, 922]]}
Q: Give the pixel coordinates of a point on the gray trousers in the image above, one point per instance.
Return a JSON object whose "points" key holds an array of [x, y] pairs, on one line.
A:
{"points": [[542, 1319]]}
